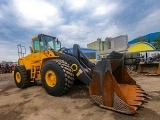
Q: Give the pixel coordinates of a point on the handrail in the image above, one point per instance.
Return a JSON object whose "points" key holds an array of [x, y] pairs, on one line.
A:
{"points": [[21, 50]]}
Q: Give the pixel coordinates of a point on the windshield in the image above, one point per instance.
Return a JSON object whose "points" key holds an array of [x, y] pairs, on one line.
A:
{"points": [[48, 42]]}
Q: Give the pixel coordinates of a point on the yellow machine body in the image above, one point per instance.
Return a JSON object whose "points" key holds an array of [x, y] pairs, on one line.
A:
{"points": [[34, 61]]}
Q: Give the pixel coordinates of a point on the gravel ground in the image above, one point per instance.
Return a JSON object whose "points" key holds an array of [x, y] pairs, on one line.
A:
{"points": [[34, 103]]}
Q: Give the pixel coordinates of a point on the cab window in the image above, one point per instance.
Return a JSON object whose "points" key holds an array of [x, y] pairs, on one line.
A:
{"points": [[36, 45], [57, 45]]}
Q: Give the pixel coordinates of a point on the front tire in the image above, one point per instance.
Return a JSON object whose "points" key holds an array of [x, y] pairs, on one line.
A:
{"points": [[57, 77]]}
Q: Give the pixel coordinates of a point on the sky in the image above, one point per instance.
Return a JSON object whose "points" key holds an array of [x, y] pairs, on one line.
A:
{"points": [[73, 21]]}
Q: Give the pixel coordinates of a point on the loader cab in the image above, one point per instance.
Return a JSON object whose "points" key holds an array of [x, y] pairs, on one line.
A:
{"points": [[44, 42]]}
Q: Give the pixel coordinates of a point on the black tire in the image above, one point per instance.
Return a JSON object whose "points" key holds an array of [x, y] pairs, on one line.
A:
{"points": [[131, 55], [115, 55], [135, 55], [129, 61], [128, 55], [63, 76], [21, 77]]}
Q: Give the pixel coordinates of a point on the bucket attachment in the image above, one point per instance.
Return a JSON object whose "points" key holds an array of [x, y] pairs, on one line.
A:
{"points": [[149, 68], [114, 89]]}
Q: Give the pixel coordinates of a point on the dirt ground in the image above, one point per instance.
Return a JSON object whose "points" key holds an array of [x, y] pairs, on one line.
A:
{"points": [[34, 103]]}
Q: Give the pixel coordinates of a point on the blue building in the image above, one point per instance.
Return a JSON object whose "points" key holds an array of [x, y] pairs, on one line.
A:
{"points": [[150, 36]]}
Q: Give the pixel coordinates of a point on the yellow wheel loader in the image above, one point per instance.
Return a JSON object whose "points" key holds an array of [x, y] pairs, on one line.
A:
{"points": [[110, 85]]}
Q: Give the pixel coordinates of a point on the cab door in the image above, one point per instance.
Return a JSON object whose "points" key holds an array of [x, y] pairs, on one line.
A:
{"points": [[36, 57]]}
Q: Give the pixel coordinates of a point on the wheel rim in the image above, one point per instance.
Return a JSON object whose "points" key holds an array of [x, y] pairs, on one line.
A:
{"points": [[18, 77], [51, 78]]}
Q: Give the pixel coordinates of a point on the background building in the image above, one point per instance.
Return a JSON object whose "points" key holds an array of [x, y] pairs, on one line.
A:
{"points": [[151, 37], [139, 47], [118, 44]]}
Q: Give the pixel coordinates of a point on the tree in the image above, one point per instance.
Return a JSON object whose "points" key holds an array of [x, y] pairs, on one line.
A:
{"points": [[156, 42], [142, 39]]}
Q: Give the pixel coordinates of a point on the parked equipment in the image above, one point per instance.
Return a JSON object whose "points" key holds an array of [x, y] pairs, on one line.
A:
{"points": [[149, 63], [149, 68], [6, 67], [109, 83]]}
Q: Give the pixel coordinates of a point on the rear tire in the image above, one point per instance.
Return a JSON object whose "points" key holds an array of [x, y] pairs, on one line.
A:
{"points": [[57, 77], [21, 77]]}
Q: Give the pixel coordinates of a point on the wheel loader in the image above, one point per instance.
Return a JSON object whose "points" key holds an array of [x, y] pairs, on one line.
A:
{"points": [[57, 67]]}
